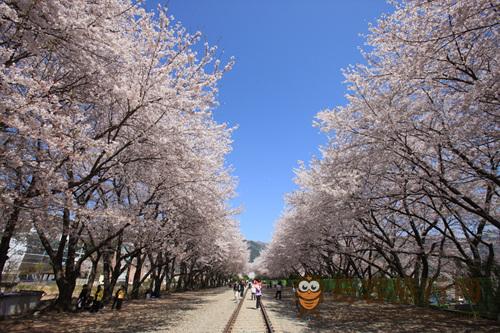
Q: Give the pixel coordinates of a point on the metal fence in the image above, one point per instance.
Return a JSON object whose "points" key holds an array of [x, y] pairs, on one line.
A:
{"points": [[477, 296]]}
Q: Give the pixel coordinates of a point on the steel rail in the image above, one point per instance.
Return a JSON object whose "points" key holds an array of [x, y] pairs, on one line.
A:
{"points": [[269, 326], [236, 312], [232, 319]]}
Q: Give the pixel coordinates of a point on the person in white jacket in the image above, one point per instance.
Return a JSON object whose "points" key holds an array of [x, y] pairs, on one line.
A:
{"points": [[253, 289]]}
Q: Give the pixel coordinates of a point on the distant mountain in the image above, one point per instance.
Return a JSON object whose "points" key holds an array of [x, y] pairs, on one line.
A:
{"points": [[255, 248]]}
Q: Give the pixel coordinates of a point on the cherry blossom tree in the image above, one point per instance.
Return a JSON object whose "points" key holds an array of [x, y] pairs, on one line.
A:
{"points": [[108, 143], [408, 183]]}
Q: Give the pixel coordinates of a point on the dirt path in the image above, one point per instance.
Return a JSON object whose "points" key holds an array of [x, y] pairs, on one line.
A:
{"points": [[250, 319], [208, 313], [162, 315]]}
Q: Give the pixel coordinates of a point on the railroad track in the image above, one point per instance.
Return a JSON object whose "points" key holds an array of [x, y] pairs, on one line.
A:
{"points": [[269, 327], [238, 324]]}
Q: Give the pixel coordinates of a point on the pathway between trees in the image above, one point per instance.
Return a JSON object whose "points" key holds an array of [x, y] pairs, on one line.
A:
{"points": [[249, 319], [208, 311]]}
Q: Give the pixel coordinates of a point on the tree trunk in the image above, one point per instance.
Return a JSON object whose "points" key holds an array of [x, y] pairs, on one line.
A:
{"points": [[93, 271], [117, 268], [158, 278], [127, 278], [66, 274], [170, 275], [66, 286], [182, 274], [137, 277], [7, 234], [106, 271], [152, 280]]}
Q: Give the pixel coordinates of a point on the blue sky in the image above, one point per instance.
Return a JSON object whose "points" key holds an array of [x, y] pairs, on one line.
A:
{"points": [[289, 55]]}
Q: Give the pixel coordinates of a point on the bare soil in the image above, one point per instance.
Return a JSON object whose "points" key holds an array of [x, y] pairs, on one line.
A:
{"points": [[361, 316]]}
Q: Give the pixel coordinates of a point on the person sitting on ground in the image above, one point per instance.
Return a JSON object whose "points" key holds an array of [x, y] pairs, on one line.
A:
{"points": [[99, 294], [119, 298], [81, 303]]}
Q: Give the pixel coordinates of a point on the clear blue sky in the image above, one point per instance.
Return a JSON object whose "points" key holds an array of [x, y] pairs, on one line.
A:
{"points": [[289, 55]]}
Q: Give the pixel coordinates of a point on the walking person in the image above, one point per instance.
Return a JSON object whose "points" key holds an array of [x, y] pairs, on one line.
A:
{"points": [[252, 289], [119, 297], [241, 288], [99, 294], [258, 294], [236, 291], [278, 290]]}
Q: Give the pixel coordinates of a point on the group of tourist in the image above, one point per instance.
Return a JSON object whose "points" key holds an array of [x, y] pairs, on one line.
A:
{"points": [[255, 288], [238, 288], [86, 302]]}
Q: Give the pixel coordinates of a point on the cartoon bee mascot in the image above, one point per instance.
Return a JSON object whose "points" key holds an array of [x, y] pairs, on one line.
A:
{"points": [[308, 295]]}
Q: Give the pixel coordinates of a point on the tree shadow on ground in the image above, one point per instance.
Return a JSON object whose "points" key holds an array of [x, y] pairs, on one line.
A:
{"points": [[360, 316], [135, 316]]}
